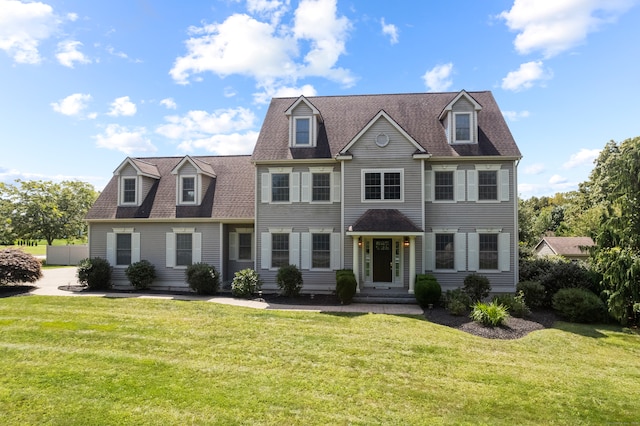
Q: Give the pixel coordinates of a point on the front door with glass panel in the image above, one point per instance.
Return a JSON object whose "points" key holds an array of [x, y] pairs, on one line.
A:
{"points": [[382, 260]]}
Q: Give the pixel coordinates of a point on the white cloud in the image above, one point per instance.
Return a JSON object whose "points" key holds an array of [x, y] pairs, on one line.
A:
{"points": [[269, 92], [125, 140], [73, 105], [526, 76], [557, 179], [68, 53], [229, 92], [23, 26], [271, 53], [584, 156], [553, 27], [515, 115], [169, 103], [534, 169], [213, 131], [390, 30], [438, 79], [122, 106]]}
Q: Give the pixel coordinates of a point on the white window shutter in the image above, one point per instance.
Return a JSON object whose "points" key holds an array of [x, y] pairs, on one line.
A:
{"points": [[111, 248], [170, 248], [294, 187], [460, 185], [305, 251], [336, 250], [460, 256], [294, 249], [233, 246], [337, 186], [504, 250], [504, 185], [428, 184], [265, 249], [135, 247], [196, 247], [474, 246], [472, 181], [306, 187], [430, 251], [266, 187]]}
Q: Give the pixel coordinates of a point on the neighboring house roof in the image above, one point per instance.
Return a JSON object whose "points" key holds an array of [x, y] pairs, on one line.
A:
{"points": [[384, 220], [566, 246], [344, 117], [230, 196]]}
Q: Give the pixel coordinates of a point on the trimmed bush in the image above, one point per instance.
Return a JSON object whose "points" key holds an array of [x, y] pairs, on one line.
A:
{"points": [[346, 285], [515, 304], [427, 290], [141, 274], [289, 280], [533, 293], [579, 305], [245, 283], [202, 278], [491, 314], [477, 287], [457, 302], [95, 273], [17, 266]]}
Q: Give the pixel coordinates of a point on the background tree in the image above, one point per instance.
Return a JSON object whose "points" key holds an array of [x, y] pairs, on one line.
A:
{"points": [[615, 182], [48, 210]]}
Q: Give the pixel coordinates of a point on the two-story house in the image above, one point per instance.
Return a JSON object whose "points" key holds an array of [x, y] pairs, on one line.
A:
{"points": [[386, 185]]}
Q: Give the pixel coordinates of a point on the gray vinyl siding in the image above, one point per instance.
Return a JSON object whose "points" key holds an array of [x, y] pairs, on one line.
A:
{"points": [[152, 248], [302, 110], [300, 217], [466, 217]]}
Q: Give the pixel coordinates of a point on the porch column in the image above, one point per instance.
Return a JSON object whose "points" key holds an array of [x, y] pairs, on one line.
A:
{"points": [[356, 261], [412, 264]]}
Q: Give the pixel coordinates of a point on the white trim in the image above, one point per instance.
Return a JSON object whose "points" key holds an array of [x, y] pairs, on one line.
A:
{"points": [[123, 230], [137, 185], [180, 188], [365, 129], [454, 136], [183, 230]]}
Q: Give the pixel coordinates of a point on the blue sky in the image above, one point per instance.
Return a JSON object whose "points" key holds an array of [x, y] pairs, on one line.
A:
{"points": [[83, 84]]}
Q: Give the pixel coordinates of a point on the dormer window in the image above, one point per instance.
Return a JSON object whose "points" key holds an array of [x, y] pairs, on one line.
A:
{"points": [[188, 189], [463, 126], [129, 190], [302, 131]]}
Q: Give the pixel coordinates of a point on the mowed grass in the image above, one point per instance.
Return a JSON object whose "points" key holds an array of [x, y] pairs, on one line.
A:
{"points": [[86, 360]]}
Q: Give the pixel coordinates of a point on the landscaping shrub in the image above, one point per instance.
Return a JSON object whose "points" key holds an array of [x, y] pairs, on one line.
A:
{"points": [[579, 305], [95, 273], [427, 290], [457, 302], [346, 285], [289, 280], [203, 278], [17, 266], [490, 314], [245, 283], [477, 287], [555, 273], [515, 304], [141, 274], [533, 293]]}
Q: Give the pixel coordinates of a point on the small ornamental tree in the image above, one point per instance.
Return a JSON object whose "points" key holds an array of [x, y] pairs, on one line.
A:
{"points": [[17, 266]]}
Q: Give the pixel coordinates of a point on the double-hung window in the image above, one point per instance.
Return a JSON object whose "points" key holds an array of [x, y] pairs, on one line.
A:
{"points": [[444, 186], [280, 187], [279, 250], [244, 246], [302, 131], [382, 185], [129, 190], [487, 185], [462, 126], [488, 251], [321, 251], [445, 252], [123, 249], [184, 249], [188, 189], [321, 187]]}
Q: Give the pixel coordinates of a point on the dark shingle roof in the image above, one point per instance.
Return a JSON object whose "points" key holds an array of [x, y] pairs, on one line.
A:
{"points": [[384, 220], [229, 196], [568, 246], [417, 113]]}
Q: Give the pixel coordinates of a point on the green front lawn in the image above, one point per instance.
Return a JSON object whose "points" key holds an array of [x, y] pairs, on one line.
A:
{"points": [[85, 360]]}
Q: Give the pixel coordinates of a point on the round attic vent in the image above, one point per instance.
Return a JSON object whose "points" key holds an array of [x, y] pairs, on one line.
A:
{"points": [[382, 140]]}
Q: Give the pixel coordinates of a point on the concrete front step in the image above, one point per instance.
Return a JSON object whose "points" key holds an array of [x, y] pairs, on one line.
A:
{"points": [[382, 297]]}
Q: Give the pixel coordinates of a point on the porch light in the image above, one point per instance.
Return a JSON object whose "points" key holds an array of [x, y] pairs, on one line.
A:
{"points": [[406, 241], [359, 241]]}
